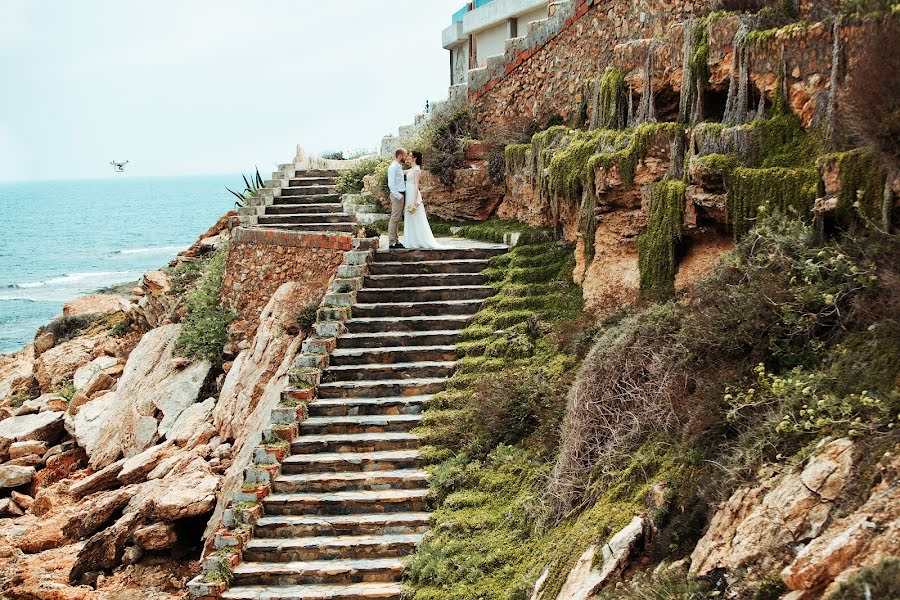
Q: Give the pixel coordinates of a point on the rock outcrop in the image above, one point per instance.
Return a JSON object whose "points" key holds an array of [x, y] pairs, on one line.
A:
{"points": [[96, 304]]}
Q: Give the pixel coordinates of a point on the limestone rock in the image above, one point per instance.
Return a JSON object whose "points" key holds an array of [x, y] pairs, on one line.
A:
{"points": [[16, 372], [85, 374], [103, 479], [23, 500], [137, 467], [89, 422], [59, 363], [13, 475], [156, 282], [45, 426], [100, 383], [43, 403], [864, 538], [151, 385], [584, 579], [20, 449], [95, 304], [473, 196], [188, 492], [760, 526], [190, 420], [157, 536]]}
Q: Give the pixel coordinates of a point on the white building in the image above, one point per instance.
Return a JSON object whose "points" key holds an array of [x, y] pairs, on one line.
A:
{"points": [[481, 28]]}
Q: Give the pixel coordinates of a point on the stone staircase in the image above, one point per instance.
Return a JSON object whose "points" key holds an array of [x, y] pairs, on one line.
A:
{"points": [[351, 498], [308, 203]]}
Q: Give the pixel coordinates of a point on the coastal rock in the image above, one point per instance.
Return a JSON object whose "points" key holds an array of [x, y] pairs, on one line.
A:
{"points": [[45, 426], [221, 228], [95, 304], [151, 394], [156, 282], [16, 372], [13, 476], [137, 467], [188, 491], [59, 363], [189, 422], [89, 422], [473, 196], [24, 448], [43, 403], [157, 536], [759, 527], [85, 374]]}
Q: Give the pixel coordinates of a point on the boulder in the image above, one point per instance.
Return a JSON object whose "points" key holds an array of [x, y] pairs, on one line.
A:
{"points": [[20, 449], [585, 579], [473, 196], [186, 492], [156, 282], [43, 403], [85, 374], [89, 422], [105, 478], [150, 396], [136, 468], [16, 372], [23, 500], [759, 527], [12, 476], [45, 426], [157, 536], [190, 420], [101, 382], [8, 508], [95, 304], [59, 363]]}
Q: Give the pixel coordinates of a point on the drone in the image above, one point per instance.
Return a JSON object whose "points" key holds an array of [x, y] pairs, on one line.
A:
{"points": [[119, 167]]}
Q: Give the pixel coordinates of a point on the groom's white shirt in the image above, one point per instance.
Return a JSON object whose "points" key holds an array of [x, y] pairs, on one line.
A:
{"points": [[396, 183]]}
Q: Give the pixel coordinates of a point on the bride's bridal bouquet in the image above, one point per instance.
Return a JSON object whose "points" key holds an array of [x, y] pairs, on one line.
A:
{"points": [[413, 208]]}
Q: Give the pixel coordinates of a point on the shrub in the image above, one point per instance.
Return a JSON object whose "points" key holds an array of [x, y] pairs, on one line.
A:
{"points": [[333, 155], [350, 181], [444, 144], [879, 581], [205, 326], [66, 327], [306, 318]]}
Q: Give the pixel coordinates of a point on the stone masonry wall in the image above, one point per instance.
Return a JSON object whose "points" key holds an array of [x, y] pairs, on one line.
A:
{"points": [[260, 261]]}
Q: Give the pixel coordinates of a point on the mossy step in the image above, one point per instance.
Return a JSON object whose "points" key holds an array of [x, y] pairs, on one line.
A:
{"points": [[407, 280], [357, 591], [288, 209], [328, 572], [421, 323], [316, 199], [410, 255], [382, 388], [376, 372], [350, 481], [368, 406], [428, 267], [394, 339], [280, 526], [307, 190], [363, 424], [392, 355], [345, 503], [334, 462], [466, 306], [353, 442], [424, 293]]}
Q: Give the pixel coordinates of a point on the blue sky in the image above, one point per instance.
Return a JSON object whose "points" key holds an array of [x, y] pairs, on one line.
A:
{"points": [[208, 86]]}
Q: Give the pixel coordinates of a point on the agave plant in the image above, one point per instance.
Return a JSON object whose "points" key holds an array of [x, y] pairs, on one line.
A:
{"points": [[252, 188]]}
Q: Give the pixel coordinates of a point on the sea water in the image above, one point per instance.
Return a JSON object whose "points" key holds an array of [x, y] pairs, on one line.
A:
{"points": [[63, 239]]}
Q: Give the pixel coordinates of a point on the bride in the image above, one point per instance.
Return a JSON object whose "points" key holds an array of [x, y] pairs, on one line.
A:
{"points": [[416, 230]]}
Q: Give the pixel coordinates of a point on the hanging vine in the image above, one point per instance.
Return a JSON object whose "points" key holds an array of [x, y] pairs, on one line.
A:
{"points": [[658, 242], [776, 188]]}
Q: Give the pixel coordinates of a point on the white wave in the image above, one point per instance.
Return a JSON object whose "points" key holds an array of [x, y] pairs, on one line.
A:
{"points": [[153, 250], [71, 278], [64, 288]]}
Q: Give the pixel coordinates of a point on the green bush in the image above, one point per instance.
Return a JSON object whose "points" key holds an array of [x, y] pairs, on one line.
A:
{"points": [[306, 318], [880, 581], [205, 326], [66, 327], [350, 181]]}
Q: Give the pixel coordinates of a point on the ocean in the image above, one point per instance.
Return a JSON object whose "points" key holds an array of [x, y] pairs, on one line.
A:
{"points": [[63, 239]]}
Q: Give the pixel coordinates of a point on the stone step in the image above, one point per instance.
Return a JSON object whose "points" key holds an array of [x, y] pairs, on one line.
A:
{"points": [[340, 407], [305, 181], [353, 442], [352, 481], [346, 503], [319, 572], [398, 354], [398, 371], [419, 323], [373, 524], [357, 591], [419, 280], [405, 255], [338, 462], [306, 218], [290, 209], [392, 339], [417, 309], [331, 548], [314, 227], [316, 199], [359, 424], [428, 267], [382, 388], [306, 190], [424, 293], [330, 173]]}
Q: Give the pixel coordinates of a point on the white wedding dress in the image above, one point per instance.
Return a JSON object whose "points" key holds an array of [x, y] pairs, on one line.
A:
{"points": [[416, 230]]}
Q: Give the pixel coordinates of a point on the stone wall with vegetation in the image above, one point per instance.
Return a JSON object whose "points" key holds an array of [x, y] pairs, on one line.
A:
{"points": [[260, 261]]}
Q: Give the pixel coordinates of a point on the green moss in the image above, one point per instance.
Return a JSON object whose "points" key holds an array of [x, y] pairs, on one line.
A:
{"points": [[698, 70], [789, 191], [496, 231], [515, 155], [611, 99], [205, 326], [721, 164], [656, 245], [636, 143], [860, 197]]}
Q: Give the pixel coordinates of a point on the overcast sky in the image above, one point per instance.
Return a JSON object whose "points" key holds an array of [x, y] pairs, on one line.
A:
{"points": [[208, 86]]}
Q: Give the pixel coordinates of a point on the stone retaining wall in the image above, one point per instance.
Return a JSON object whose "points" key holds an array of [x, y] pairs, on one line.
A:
{"points": [[261, 260]]}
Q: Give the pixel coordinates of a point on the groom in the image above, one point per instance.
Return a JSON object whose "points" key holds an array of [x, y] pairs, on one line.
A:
{"points": [[397, 185]]}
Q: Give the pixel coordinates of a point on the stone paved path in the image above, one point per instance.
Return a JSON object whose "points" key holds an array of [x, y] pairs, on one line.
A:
{"points": [[351, 501]]}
